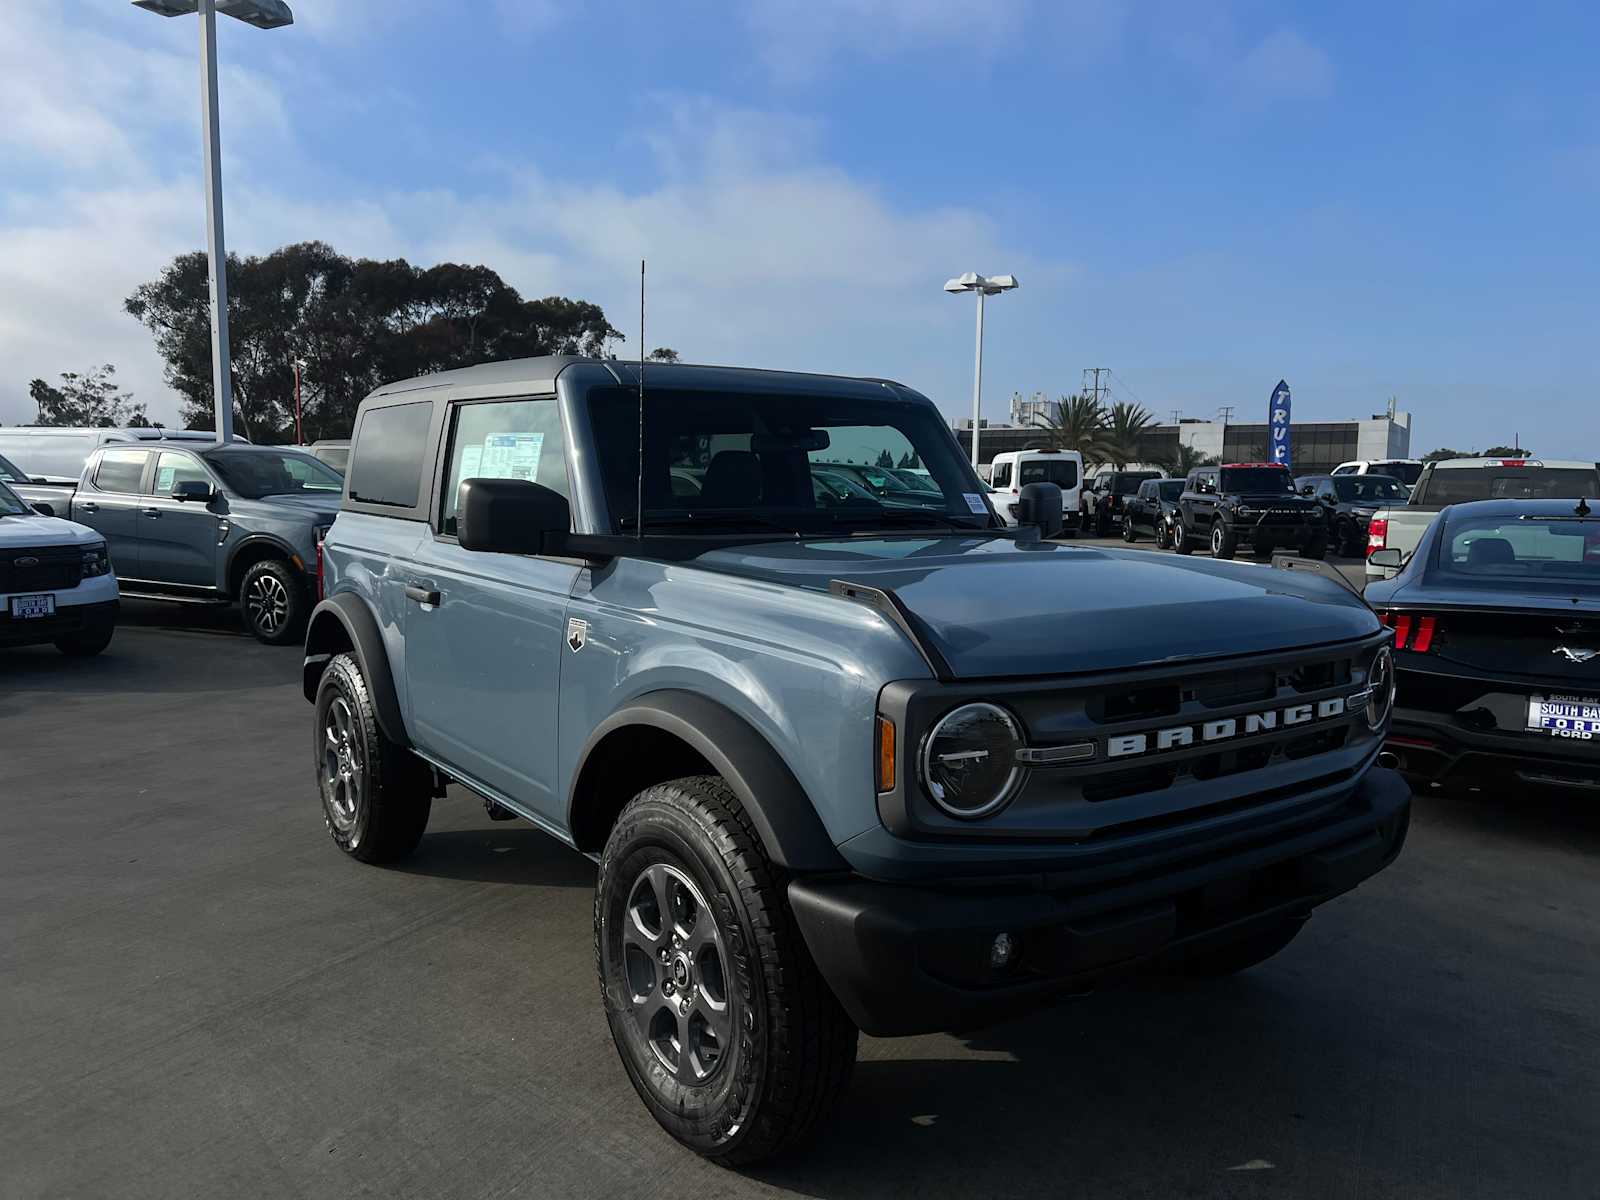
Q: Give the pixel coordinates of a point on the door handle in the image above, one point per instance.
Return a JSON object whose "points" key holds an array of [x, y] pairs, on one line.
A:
{"points": [[422, 595], [151, 512], [89, 506]]}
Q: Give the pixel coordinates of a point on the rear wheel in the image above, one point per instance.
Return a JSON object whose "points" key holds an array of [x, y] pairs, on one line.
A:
{"points": [[1128, 534], [376, 794], [1351, 540], [273, 601], [724, 1025], [1223, 540], [1242, 955]]}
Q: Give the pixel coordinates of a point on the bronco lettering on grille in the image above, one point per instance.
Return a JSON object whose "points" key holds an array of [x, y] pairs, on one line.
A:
{"points": [[1175, 737]]}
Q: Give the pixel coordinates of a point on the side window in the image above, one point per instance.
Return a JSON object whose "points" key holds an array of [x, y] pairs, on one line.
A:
{"points": [[1002, 475], [1326, 491], [121, 470], [173, 469], [386, 461], [504, 439]]}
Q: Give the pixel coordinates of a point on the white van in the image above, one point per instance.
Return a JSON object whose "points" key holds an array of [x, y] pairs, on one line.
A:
{"points": [[1014, 469]]}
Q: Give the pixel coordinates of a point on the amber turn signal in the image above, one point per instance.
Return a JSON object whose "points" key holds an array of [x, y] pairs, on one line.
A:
{"points": [[885, 754]]}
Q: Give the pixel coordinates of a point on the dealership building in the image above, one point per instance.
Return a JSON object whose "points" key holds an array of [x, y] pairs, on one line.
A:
{"points": [[1316, 446]]}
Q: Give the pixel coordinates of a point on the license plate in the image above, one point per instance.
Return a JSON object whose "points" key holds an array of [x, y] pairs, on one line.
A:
{"points": [[1565, 716], [23, 607]]}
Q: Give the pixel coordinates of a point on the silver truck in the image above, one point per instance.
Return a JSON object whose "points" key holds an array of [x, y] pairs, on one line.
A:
{"points": [[1457, 480]]}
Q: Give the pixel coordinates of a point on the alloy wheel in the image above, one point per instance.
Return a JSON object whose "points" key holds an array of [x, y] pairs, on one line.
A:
{"points": [[267, 603], [343, 772], [675, 974], [1216, 538]]}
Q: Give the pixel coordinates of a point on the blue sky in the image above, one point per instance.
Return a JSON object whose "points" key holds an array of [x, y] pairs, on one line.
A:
{"points": [[1369, 200]]}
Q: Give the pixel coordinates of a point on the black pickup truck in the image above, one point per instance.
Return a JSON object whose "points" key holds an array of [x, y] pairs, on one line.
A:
{"points": [[1251, 504]]}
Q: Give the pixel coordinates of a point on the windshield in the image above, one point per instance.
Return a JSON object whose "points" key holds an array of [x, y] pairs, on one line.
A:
{"points": [[1406, 472], [337, 457], [1063, 472], [1257, 481], [1490, 551], [257, 473], [797, 463], [1454, 485], [1170, 489], [10, 473], [11, 504], [1355, 489], [1127, 484]]}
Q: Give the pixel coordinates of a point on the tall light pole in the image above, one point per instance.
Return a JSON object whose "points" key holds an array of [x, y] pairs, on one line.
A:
{"points": [[984, 285], [263, 14]]}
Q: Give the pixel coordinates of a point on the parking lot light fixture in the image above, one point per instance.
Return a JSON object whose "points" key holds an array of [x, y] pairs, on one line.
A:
{"points": [[983, 285], [263, 14]]}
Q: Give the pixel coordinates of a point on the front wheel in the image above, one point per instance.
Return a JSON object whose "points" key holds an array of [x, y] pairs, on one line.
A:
{"points": [[376, 794], [1182, 542], [1128, 534], [1163, 535], [1352, 541], [273, 601], [725, 1027], [1223, 539], [1317, 547]]}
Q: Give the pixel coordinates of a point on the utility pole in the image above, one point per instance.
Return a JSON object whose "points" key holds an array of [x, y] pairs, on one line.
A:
{"points": [[1177, 416], [1092, 387], [1225, 413]]}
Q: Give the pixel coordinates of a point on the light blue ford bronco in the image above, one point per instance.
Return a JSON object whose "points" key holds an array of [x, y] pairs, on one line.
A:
{"points": [[847, 761]]}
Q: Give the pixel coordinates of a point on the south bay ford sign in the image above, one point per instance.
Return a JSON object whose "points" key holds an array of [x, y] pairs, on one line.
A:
{"points": [[1176, 737]]}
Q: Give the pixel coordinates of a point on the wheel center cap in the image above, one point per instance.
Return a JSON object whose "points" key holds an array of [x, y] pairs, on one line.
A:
{"points": [[680, 970]]}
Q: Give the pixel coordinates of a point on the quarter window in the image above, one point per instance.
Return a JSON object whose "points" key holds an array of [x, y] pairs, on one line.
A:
{"points": [[386, 462], [121, 470], [1002, 475], [504, 439]]}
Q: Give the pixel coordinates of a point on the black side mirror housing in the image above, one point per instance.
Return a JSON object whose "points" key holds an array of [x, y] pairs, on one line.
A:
{"points": [[511, 516], [44, 510], [192, 489], [1040, 504]]}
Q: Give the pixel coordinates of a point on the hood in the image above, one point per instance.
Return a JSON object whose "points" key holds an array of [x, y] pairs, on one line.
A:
{"points": [[17, 533], [996, 607], [324, 506]]}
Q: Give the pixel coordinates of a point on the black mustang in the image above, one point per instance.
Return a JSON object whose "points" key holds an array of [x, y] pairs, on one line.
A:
{"points": [[1152, 509], [1496, 619]]}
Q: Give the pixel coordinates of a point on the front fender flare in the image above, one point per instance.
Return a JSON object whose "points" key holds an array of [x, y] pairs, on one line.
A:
{"points": [[350, 614], [784, 817]]}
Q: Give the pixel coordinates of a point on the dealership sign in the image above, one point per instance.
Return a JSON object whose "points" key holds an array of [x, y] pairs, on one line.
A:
{"points": [[1278, 423]]}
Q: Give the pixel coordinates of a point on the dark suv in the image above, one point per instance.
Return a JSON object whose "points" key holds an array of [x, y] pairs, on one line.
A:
{"points": [[1254, 504], [1350, 501], [1105, 495]]}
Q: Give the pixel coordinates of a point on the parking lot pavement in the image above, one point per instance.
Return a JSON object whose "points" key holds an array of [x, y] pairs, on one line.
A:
{"points": [[201, 997]]}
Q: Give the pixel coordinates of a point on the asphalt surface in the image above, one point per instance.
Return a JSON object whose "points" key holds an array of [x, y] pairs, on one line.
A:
{"points": [[199, 996]]}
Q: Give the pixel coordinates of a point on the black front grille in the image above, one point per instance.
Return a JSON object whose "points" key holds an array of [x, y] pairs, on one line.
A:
{"points": [[41, 569]]}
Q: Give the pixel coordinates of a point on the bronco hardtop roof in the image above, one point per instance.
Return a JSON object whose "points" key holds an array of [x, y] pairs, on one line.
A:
{"points": [[536, 375]]}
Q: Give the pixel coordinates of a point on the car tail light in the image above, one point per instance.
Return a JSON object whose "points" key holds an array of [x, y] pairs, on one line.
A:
{"points": [[1377, 533], [1412, 631]]}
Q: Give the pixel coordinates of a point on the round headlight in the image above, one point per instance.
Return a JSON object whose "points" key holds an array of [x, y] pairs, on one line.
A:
{"points": [[969, 760], [1380, 688]]}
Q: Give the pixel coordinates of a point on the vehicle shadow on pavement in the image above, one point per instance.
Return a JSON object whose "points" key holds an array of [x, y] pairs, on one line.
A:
{"points": [[510, 853], [1548, 819]]}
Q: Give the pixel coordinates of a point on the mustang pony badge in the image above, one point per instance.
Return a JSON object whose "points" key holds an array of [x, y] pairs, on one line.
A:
{"points": [[1576, 656], [577, 633]]}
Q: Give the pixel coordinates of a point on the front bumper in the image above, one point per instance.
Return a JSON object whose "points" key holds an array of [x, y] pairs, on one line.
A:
{"points": [[68, 619], [905, 960]]}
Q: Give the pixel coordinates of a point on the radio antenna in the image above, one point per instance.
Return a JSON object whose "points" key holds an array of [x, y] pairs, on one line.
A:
{"points": [[638, 524]]}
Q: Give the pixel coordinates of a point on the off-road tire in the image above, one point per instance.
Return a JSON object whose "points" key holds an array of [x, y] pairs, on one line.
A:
{"points": [[1182, 543], [1224, 541], [1128, 534], [390, 810], [88, 641], [273, 602], [1163, 535], [1351, 542], [1242, 955], [795, 1046], [1316, 548]]}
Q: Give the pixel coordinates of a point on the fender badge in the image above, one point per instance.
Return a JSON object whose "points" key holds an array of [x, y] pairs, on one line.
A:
{"points": [[27, 560], [1573, 655], [577, 633]]}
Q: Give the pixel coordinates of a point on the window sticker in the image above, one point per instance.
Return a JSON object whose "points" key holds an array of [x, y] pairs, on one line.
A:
{"points": [[511, 456], [164, 480], [975, 503]]}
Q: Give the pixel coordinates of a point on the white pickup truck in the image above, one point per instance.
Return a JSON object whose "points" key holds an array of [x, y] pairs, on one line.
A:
{"points": [[56, 585], [1457, 480]]}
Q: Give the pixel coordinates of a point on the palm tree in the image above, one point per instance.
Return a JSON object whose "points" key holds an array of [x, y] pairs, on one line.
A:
{"points": [[1124, 430], [1080, 425], [1184, 459]]}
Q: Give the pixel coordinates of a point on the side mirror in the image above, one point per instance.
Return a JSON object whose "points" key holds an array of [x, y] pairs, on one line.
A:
{"points": [[511, 516], [1308, 490], [1040, 504], [44, 510], [192, 489], [1389, 557]]}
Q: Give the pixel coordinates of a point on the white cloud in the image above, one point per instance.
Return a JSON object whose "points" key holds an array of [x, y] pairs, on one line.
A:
{"points": [[1285, 66]]}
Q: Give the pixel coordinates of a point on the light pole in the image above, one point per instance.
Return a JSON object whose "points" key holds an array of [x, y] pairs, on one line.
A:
{"points": [[263, 14], [299, 437], [984, 285]]}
